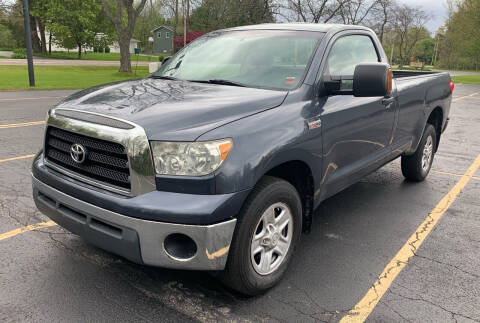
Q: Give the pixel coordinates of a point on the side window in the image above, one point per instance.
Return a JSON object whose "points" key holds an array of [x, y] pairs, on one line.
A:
{"points": [[347, 52], [159, 34], [167, 34]]}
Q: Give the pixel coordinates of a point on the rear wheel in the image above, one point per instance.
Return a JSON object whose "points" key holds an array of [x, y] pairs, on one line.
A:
{"points": [[417, 166], [268, 230]]}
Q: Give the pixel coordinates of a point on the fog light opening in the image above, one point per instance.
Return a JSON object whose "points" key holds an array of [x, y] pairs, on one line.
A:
{"points": [[180, 247]]}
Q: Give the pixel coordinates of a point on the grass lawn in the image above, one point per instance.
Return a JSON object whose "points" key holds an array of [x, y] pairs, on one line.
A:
{"points": [[63, 77], [467, 79], [100, 56]]}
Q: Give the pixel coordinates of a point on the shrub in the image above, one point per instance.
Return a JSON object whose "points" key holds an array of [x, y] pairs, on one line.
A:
{"points": [[107, 49], [19, 53]]}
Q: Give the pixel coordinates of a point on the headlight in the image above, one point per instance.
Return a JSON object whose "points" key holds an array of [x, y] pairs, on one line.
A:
{"points": [[189, 158]]}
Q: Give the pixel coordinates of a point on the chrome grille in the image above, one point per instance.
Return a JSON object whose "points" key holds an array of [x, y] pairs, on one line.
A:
{"points": [[105, 161]]}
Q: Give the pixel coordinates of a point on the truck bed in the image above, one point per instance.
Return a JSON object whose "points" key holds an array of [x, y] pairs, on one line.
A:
{"points": [[402, 74]]}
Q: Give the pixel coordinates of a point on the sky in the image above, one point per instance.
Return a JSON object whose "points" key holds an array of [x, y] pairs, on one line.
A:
{"points": [[437, 8]]}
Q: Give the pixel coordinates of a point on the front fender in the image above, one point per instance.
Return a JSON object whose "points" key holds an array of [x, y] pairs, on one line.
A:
{"points": [[263, 141]]}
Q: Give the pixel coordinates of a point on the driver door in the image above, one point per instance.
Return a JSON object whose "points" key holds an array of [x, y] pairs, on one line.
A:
{"points": [[356, 131]]}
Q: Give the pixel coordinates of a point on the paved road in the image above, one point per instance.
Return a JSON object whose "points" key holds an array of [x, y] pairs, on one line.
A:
{"points": [[51, 275], [68, 62]]}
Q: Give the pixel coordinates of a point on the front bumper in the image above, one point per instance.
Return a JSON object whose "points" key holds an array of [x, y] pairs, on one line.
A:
{"points": [[141, 241]]}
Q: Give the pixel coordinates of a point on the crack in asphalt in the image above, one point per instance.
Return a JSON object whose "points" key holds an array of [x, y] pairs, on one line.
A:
{"points": [[320, 310], [449, 265], [394, 311], [421, 299]]}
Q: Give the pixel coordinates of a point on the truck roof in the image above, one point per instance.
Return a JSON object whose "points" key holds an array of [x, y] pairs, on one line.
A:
{"points": [[301, 27]]}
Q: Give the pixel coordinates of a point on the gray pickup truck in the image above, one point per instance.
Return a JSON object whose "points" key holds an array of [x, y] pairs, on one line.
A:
{"points": [[218, 160]]}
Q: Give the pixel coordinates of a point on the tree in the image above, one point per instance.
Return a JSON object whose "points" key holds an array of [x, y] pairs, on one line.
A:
{"points": [[11, 17], [216, 14], [423, 50], [36, 46], [384, 11], [460, 41], [316, 10], [123, 14], [409, 27], [354, 12], [6, 38], [39, 12], [151, 17], [73, 22]]}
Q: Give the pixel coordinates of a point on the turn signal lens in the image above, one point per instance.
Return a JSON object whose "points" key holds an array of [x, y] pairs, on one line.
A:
{"points": [[389, 80], [225, 149]]}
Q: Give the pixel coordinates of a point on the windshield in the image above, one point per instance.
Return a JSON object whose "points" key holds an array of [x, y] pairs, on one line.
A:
{"points": [[255, 58]]}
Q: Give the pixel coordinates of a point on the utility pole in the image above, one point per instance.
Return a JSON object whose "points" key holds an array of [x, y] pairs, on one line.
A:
{"points": [[391, 54], [28, 43], [435, 49]]}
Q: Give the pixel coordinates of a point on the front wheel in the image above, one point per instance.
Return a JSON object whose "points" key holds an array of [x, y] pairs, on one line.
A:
{"points": [[268, 230], [417, 166]]}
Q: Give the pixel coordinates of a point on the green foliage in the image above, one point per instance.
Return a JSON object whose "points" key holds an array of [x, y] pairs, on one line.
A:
{"points": [[150, 18], [63, 77], [74, 23], [217, 14], [11, 26], [6, 37], [423, 50], [460, 42], [467, 79], [19, 53]]}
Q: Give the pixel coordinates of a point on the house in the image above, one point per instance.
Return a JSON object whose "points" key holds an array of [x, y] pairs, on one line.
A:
{"points": [[162, 40], [99, 39], [114, 48]]}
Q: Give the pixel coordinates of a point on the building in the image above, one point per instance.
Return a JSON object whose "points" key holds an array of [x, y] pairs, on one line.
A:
{"points": [[163, 40], [114, 48]]}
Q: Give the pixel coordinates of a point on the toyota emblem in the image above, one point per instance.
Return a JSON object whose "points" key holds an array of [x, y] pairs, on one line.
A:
{"points": [[78, 153]]}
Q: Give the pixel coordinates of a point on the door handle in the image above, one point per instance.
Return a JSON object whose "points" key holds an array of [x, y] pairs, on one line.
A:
{"points": [[388, 101]]}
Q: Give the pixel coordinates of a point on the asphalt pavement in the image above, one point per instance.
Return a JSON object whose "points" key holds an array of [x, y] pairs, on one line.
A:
{"points": [[50, 275]]}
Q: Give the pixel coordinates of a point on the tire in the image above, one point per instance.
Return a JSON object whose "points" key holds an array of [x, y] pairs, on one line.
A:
{"points": [[416, 167], [253, 273]]}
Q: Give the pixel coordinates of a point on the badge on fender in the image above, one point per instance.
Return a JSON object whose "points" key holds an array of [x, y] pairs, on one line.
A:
{"points": [[314, 123]]}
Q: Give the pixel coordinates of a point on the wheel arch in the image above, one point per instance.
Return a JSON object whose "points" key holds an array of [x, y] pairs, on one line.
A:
{"points": [[436, 120], [299, 174]]}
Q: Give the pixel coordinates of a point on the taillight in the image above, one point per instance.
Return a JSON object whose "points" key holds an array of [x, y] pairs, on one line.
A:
{"points": [[452, 86]]}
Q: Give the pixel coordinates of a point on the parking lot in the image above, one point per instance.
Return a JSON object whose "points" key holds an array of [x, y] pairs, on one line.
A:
{"points": [[48, 274]]}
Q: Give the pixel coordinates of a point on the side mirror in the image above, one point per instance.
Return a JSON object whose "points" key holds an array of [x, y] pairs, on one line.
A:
{"points": [[372, 79], [166, 59]]}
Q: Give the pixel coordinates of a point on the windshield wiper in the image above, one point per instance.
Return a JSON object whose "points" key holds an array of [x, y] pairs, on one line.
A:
{"points": [[165, 77], [220, 82]]}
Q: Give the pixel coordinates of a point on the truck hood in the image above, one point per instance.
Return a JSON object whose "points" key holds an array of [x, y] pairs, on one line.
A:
{"points": [[174, 110]]}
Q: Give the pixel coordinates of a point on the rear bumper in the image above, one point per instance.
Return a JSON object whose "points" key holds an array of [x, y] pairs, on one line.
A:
{"points": [[141, 241]]}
